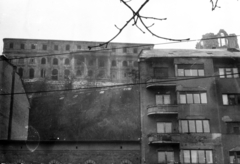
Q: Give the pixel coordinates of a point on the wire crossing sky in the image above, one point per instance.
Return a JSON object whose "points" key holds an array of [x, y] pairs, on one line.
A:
{"points": [[95, 20]]}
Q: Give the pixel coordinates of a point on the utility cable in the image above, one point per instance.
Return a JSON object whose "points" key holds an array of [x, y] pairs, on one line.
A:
{"points": [[120, 85]]}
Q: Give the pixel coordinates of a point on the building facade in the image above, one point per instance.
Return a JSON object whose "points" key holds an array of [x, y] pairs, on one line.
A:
{"points": [[190, 106]]}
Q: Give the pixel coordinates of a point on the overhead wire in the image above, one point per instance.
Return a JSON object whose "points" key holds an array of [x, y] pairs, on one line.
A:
{"points": [[119, 85], [115, 48]]}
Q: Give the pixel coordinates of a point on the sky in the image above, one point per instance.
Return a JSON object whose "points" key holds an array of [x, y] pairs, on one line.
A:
{"points": [[95, 20]]}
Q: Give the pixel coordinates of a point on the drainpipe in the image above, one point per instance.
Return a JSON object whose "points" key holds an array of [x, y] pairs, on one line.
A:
{"points": [[11, 103]]}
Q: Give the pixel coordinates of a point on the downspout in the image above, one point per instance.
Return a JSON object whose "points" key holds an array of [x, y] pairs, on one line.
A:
{"points": [[11, 103]]}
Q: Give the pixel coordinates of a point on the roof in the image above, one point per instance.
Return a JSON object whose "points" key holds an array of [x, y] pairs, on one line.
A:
{"points": [[76, 41], [188, 53]]}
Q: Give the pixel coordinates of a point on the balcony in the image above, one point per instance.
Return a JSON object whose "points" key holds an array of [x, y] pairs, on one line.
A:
{"points": [[156, 138], [153, 82], [162, 109], [191, 138]]}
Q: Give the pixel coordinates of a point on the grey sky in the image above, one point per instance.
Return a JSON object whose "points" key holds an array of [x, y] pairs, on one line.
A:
{"points": [[94, 20]]}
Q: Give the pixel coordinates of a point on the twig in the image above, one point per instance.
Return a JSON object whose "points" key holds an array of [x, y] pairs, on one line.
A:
{"points": [[214, 5]]}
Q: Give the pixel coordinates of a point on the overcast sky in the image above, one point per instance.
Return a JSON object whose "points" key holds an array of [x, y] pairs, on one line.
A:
{"points": [[94, 20]]}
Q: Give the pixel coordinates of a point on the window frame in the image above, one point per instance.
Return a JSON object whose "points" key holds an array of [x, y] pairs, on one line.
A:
{"points": [[165, 156], [226, 99], [197, 155], [164, 97], [235, 155], [165, 130], [206, 128], [224, 73], [189, 69], [190, 97]]}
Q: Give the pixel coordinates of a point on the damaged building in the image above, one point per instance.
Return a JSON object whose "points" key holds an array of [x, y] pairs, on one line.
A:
{"points": [[190, 106], [221, 40]]}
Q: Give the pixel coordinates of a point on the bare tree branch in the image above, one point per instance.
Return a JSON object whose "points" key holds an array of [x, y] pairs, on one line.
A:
{"points": [[214, 5]]}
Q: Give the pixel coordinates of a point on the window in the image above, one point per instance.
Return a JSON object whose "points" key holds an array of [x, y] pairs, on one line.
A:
{"points": [[79, 47], [55, 47], [124, 50], [22, 46], [11, 45], [160, 72], [114, 63], [79, 73], [43, 72], [55, 74], [91, 62], [193, 98], [113, 49], [44, 47], [20, 72], [31, 61], [67, 61], [31, 73], [67, 47], [163, 99], [90, 73], [166, 157], [164, 127], [124, 63], [233, 127], [135, 50], [55, 61], [197, 156], [234, 156], [101, 63], [231, 99], [66, 74], [228, 73], [194, 126], [33, 46], [190, 70], [43, 61]]}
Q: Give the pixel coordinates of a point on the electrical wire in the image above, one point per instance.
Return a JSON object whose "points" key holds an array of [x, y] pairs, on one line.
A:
{"points": [[107, 49], [120, 85]]}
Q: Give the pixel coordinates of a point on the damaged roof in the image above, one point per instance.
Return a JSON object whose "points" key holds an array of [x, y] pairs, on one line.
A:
{"points": [[190, 53]]}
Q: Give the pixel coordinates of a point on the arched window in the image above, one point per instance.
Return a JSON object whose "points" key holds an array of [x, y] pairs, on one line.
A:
{"points": [[135, 64], [31, 73], [79, 73], [67, 74], [55, 61], [43, 72], [55, 74], [67, 61], [114, 63], [125, 64], [20, 72], [89, 162], [90, 73], [43, 61]]}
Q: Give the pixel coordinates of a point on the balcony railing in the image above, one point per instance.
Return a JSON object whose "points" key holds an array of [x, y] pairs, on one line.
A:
{"points": [[162, 109], [197, 138], [153, 82]]}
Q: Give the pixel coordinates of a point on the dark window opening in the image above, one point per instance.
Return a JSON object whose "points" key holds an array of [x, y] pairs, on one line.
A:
{"points": [[67, 47], [231, 99], [114, 63], [43, 61], [55, 47], [79, 73], [22, 46], [43, 72], [67, 61], [31, 73], [66, 74], [20, 72], [11, 45], [44, 47], [124, 63], [33, 46], [55, 61], [234, 157], [55, 74], [101, 63], [135, 50]]}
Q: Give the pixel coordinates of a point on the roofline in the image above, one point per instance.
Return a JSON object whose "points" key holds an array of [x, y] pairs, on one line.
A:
{"points": [[56, 40]]}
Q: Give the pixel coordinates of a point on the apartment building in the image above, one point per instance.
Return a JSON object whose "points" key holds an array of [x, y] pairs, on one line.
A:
{"points": [[190, 101]]}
